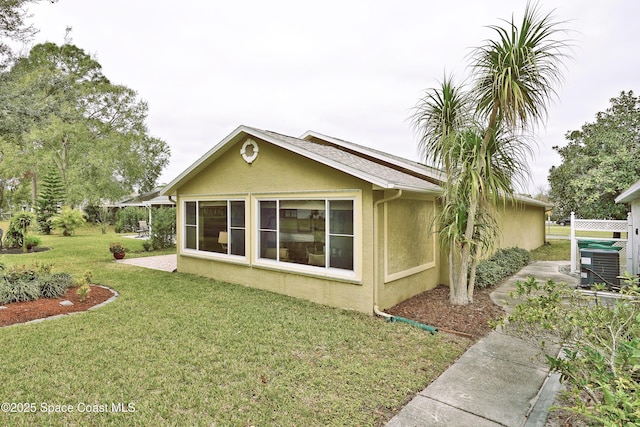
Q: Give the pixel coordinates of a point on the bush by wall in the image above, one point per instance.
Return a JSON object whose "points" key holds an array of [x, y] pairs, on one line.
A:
{"points": [[500, 265], [163, 229]]}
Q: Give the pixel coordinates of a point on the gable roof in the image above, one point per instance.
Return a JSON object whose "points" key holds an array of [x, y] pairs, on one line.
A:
{"points": [[380, 169], [630, 194], [408, 165]]}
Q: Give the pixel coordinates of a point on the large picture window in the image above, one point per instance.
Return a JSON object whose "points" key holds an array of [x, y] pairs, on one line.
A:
{"points": [[318, 233], [215, 226]]}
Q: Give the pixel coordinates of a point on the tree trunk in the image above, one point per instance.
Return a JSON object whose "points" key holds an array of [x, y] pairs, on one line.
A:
{"points": [[456, 297], [472, 274], [459, 294], [34, 190], [458, 266]]}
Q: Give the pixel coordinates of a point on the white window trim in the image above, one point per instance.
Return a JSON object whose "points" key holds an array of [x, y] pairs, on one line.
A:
{"points": [[197, 253], [338, 273]]}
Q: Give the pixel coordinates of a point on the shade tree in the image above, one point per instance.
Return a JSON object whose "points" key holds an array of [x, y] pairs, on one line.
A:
{"points": [[71, 117], [599, 161]]}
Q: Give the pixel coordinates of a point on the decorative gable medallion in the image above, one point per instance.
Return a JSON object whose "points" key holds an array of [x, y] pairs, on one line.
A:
{"points": [[249, 150]]}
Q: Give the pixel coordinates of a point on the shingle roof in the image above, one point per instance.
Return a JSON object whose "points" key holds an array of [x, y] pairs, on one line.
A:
{"points": [[363, 163], [406, 164], [352, 161]]}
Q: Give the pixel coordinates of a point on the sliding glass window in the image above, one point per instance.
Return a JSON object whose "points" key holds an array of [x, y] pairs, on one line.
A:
{"points": [[318, 233], [215, 226]]}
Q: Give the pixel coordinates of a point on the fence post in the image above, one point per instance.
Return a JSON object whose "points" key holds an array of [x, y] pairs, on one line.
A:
{"points": [[574, 267]]}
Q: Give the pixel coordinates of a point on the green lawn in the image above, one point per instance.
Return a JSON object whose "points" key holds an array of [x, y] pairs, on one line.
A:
{"points": [[553, 250], [558, 230], [185, 350]]}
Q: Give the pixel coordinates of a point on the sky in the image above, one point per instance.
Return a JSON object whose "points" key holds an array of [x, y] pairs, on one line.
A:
{"points": [[351, 69]]}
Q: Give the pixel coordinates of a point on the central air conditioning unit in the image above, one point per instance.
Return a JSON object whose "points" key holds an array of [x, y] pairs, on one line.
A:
{"points": [[601, 266]]}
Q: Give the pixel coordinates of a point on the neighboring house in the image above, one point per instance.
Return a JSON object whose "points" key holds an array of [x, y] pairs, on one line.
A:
{"points": [[151, 199], [632, 197], [319, 218], [148, 200]]}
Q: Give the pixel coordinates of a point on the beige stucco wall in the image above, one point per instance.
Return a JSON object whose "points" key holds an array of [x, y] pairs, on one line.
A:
{"points": [[521, 225], [406, 227], [280, 173]]}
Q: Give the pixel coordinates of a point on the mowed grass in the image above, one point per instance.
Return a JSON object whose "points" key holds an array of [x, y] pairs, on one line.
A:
{"points": [[553, 250], [559, 230], [186, 350]]}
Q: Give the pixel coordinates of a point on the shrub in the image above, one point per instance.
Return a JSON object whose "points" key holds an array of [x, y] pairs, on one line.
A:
{"points": [[22, 283], [32, 241], [500, 265], [18, 291], [17, 273], [511, 259], [127, 219], [83, 291], [488, 273], [600, 358], [54, 285], [163, 230], [68, 220], [20, 222], [83, 285]]}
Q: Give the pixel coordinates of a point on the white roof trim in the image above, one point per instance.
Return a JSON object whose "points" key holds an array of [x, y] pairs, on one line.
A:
{"points": [[218, 149], [438, 175], [630, 194]]}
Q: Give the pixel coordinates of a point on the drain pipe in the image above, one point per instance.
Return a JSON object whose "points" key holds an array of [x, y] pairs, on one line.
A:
{"points": [[376, 274]]}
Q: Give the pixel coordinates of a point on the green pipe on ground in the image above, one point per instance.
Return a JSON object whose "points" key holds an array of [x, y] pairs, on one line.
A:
{"points": [[427, 328]]}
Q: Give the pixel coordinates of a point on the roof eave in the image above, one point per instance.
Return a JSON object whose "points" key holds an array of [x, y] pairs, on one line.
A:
{"points": [[425, 170], [217, 150], [207, 158], [629, 195]]}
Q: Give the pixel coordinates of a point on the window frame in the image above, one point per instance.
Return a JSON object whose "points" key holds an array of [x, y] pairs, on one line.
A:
{"points": [[325, 270], [210, 254]]}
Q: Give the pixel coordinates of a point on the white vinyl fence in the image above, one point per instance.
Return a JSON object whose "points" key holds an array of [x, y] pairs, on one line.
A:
{"points": [[614, 226]]}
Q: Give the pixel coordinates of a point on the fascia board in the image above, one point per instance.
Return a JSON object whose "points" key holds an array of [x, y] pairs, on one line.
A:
{"points": [[219, 149], [207, 158], [629, 195], [394, 160]]}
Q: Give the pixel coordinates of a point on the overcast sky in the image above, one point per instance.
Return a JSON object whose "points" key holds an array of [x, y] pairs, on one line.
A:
{"points": [[350, 69]]}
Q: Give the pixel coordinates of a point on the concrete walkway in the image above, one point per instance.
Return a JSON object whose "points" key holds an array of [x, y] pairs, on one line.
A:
{"points": [[497, 382], [160, 262]]}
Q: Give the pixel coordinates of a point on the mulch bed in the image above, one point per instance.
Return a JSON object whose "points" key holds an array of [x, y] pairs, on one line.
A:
{"points": [[18, 251], [433, 308], [20, 312]]}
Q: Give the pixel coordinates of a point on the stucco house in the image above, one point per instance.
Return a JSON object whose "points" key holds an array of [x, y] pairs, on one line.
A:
{"points": [[632, 197], [320, 218]]}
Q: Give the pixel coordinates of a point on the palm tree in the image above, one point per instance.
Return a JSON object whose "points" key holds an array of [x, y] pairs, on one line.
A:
{"points": [[479, 136]]}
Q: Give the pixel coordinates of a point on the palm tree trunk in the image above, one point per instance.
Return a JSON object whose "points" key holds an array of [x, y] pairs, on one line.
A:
{"points": [[459, 294], [457, 276], [472, 274]]}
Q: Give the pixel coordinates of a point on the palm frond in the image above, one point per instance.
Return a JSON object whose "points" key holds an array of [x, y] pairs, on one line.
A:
{"points": [[517, 74]]}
